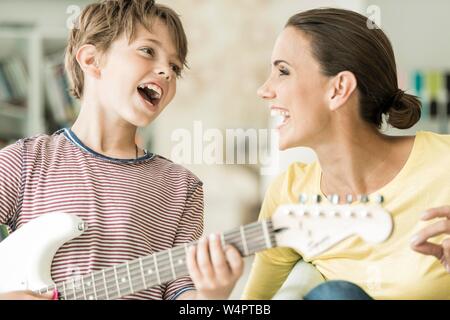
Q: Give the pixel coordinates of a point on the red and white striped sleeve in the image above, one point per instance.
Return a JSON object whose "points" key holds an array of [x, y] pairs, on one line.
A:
{"points": [[190, 229], [10, 181]]}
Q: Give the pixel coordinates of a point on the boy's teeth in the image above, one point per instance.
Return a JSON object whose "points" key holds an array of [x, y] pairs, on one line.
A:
{"points": [[153, 87]]}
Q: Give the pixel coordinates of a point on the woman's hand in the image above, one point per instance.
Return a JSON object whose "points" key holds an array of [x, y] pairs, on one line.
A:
{"points": [[420, 242], [213, 269]]}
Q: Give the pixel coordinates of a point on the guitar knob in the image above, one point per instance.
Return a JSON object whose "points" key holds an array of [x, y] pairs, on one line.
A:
{"points": [[316, 198], [303, 198], [379, 199], [82, 226], [349, 199], [363, 198]]}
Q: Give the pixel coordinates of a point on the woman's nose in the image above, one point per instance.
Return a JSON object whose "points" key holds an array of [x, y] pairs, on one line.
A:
{"points": [[265, 92]]}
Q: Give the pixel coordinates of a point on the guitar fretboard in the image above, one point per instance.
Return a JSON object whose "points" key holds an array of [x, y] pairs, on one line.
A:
{"points": [[159, 268]]}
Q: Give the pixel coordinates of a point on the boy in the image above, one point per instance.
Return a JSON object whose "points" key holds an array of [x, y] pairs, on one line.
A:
{"points": [[123, 59]]}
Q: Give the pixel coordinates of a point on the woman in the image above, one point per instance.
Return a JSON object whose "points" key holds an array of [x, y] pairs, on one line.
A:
{"points": [[334, 80]]}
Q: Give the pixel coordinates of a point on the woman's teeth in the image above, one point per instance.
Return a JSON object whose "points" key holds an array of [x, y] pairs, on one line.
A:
{"points": [[281, 115], [277, 112]]}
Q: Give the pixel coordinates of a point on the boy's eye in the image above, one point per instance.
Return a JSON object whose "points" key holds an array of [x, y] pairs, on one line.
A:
{"points": [[176, 69], [148, 51]]}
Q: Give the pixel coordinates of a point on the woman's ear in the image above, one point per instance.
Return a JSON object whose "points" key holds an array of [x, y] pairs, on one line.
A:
{"points": [[342, 87], [87, 57]]}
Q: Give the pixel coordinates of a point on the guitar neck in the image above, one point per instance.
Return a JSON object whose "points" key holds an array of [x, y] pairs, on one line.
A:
{"points": [[159, 268]]}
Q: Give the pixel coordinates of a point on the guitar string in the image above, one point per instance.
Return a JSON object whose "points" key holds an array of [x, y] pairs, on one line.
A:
{"points": [[111, 291], [230, 237], [165, 274]]}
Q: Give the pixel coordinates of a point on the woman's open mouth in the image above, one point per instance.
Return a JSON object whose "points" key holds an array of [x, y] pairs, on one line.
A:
{"points": [[283, 114], [151, 94]]}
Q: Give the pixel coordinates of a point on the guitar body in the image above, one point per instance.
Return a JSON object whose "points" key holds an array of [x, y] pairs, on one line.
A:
{"points": [[33, 247]]}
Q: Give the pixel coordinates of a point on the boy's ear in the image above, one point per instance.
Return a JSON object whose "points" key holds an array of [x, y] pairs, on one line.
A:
{"points": [[87, 57], [341, 88]]}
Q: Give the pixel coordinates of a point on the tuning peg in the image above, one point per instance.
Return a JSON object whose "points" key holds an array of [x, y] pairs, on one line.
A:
{"points": [[363, 198], [316, 198], [334, 199], [349, 198], [379, 199], [303, 198]]}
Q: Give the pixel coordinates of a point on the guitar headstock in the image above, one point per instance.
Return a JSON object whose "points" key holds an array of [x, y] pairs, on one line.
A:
{"points": [[314, 228]]}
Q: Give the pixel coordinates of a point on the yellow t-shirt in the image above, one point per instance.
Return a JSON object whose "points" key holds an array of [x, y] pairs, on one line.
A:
{"points": [[389, 270]]}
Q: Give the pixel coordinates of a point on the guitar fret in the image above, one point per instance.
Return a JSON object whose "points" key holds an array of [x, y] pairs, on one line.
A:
{"points": [[129, 277], [87, 288], [266, 234], [244, 241], [93, 286], [64, 290], [272, 234], [250, 239], [142, 272], [171, 264], [156, 269], [149, 270], [83, 288], [124, 280], [180, 263], [74, 291], [117, 280], [104, 282]]}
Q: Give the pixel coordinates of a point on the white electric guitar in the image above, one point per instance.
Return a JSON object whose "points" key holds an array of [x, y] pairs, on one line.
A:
{"points": [[26, 255]]}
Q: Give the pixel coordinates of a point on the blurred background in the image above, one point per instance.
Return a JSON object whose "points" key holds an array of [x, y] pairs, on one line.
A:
{"points": [[230, 46]]}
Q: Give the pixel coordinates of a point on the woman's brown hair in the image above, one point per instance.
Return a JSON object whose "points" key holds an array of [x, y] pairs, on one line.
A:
{"points": [[342, 41]]}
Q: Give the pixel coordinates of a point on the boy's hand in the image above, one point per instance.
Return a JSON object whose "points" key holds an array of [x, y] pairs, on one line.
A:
{"points": [[26, 295], [420, 241], [213, 269]]}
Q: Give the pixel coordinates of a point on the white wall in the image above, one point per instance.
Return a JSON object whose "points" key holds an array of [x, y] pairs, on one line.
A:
{"points": [[419, 31]]}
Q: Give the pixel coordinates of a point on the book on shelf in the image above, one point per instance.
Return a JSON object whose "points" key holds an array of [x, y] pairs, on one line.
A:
{"points": [[3, 232], [63, 105], [13, 81]]}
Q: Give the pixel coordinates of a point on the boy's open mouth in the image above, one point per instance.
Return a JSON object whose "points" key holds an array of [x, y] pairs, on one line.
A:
{"points": [[151, 93]]}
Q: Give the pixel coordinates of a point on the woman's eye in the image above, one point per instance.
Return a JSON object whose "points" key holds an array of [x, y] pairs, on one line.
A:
{"points": [[283, 72]]}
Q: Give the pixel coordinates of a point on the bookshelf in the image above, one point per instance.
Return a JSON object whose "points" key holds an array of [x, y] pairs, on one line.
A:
{"points": [[30, 105]]}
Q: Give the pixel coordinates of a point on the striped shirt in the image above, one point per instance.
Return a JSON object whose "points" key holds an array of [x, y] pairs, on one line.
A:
{"points": [[132, 208]]}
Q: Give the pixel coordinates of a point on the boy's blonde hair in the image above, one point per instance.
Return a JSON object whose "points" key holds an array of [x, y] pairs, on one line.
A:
{"points": [[101, 23]]}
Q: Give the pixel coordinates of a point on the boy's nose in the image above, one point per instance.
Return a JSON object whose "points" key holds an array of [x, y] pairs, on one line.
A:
{"points": [[164, 75]]}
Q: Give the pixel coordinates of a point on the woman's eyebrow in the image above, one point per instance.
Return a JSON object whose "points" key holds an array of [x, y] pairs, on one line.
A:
{"points": [[277, 62]]}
